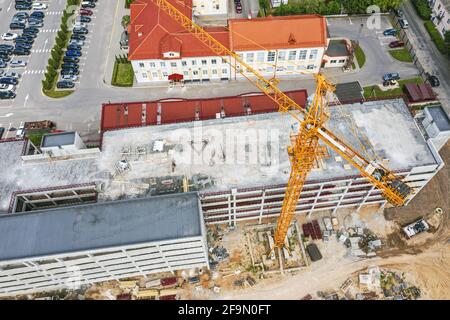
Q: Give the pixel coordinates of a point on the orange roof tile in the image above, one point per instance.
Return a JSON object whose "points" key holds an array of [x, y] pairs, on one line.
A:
{"points": [[152, 32], [285, 32]]}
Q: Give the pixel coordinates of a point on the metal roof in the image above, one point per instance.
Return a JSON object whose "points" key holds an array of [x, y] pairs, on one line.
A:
{"points": [[440, 118], [349, 91], [337, 48], [102, 225], [58, 139]]}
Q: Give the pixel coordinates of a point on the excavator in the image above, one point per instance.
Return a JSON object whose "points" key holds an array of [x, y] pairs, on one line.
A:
{"points": [[311, 119]]}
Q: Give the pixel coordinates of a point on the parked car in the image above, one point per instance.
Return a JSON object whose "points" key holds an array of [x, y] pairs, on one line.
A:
{"points": [[84, 19], [35, 23], [29, 35], [21, 131], [11, 74], [31, 30], [390, 32], [87, 4], [76, 42], [74, 47], [238, 7], [37, 15], [7, 95], [73, 53], [391, 76], [23, 6], [17, 25], [398, 12], [69, 65], [7, 87], [23, 45], [18, 63], [69, 77], [86, 12], [24, 38], [8, 36], [69, 71], [6, 47], [80, 30], [65, 84], [39, 6], [71, 59], [79, 24], [18, 51], [433, 80], [78, 36], [2, 130], [21, 15], [2, 64], [5, 57], [8, 80], [396, 44], [403, 23]]}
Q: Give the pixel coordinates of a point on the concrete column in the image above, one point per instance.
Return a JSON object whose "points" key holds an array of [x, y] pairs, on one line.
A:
{"points": [[165, 260], [233, 193], [229, 211], [263, 199], [315, 200], [342, 197], [134, 263], [365, 198]]}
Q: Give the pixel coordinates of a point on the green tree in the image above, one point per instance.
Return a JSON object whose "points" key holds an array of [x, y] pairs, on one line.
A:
{"points": [[125, 21]]}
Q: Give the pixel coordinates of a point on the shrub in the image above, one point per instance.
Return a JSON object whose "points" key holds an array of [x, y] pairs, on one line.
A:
{"points": [[436, 37], [422, 8]]}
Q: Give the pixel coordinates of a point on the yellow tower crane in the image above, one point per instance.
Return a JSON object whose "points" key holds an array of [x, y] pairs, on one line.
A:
{"points": [[311, 119]]}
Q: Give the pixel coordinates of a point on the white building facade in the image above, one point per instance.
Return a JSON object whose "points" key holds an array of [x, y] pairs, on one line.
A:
{"points": [[440, 15]]}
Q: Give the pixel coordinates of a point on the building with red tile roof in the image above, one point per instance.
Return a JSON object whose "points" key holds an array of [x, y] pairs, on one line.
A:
{"points": [[160, 48]]}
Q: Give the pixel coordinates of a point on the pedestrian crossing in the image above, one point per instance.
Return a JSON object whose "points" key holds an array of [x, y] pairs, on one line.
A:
{"points": [[53, 13], [33, 72], [49, 30], [41, 50]]}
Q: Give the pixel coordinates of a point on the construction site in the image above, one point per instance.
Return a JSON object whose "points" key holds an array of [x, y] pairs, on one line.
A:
{"points": [[294, 195]]}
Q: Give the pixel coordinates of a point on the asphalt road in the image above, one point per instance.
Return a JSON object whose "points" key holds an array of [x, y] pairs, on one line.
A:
{"points": [[81, 111], [432, 60]]}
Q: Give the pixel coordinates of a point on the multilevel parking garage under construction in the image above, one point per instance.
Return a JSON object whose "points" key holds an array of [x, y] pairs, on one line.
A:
{"points": [[235, 166]]}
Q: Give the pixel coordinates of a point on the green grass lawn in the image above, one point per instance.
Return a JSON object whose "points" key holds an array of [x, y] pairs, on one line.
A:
{"points": [[123, 75], [401, 55], [375, 91], [360, 56], [36, 135], [57, 93]]}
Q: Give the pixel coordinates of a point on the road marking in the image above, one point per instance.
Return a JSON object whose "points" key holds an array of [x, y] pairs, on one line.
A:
{"points": [[7, 115], [41, 50], [9, 8], [26, 100]]}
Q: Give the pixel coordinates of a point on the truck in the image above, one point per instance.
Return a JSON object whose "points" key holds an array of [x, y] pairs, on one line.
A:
{"points": [[415, 228]]}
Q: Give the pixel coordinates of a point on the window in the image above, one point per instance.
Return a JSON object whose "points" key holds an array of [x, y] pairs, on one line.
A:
{"points": [[144, 75], [171, 54], [282, 55], [333, 61], [214, 71], [173, 64], [152, 65], [195, 73], [165, 74], [204, 62], [341, 61], [224, 71], [162, 64], [214, 61], [302, 55], [184, 63], [185, 73], [205, 72], [313, 54], [260, 56], [155, 74], [193, 62], [271, 56], [250, 57], [292, 55], [311, 67], [141, 65]]}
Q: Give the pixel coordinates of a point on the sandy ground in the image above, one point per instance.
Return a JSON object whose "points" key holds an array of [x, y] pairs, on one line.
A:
{"points": [[424, 259]]}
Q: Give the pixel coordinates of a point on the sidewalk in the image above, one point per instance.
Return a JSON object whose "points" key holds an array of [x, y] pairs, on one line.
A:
{"points": [[114, 44]]}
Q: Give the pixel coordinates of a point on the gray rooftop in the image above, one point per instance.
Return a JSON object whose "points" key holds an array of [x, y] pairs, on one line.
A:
{"points": [[440, 118], [349, 91], [337, 48], [95, 226], [58, 139]]}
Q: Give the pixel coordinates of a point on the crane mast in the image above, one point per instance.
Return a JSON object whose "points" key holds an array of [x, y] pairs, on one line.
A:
{"points": [[305, 149]]}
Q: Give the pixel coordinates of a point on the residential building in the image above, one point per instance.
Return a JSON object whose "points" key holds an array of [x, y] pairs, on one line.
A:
{"points": [[210, 7], [277, 3], [74, 246], [440, 15], [161, 50]]}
